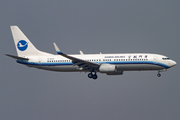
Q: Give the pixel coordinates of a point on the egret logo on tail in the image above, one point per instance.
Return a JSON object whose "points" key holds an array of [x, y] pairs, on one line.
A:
{"points": [[22, 45]]}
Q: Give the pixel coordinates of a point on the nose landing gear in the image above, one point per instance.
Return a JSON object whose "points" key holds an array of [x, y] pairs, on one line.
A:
{"points": [[159, 74]]}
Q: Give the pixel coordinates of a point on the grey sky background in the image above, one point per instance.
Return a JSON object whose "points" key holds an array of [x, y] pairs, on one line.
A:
{"points": [[118, 26]]}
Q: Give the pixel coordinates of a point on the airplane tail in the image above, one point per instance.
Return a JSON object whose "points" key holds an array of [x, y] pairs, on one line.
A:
{"points": [[23, 45]]}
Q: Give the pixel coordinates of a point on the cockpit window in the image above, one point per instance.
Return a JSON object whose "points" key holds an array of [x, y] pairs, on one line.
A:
{"points": [[166, 58]]}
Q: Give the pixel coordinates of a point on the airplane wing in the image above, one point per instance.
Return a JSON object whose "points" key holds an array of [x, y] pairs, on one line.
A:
{"points": [[83, 65]]}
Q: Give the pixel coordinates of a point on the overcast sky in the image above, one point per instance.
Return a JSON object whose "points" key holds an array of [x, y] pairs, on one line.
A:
{"points": [[107, 26]]}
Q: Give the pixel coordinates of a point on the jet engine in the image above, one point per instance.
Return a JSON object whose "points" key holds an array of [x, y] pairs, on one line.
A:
{"points": [[109, 69]]}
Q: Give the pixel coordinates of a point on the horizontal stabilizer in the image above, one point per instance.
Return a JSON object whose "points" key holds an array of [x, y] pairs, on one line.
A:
{"points": [[16, 57]]}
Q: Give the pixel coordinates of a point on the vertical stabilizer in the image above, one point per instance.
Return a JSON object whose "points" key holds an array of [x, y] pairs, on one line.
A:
{"points": [[23, 45]]}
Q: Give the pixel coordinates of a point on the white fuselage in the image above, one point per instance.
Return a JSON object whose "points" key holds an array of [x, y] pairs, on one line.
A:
{"points": [[124, 62], [110, 64]]}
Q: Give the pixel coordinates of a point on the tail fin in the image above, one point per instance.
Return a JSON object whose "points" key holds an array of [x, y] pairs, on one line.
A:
{"points": [[23, 45]]}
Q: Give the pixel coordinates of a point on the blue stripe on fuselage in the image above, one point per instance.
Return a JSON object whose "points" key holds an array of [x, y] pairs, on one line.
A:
{"points": [[109, 62]]}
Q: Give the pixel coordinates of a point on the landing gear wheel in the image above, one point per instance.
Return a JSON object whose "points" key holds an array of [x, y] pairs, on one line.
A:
{"points": [[94, 76], [159, 75], [90, 75]]}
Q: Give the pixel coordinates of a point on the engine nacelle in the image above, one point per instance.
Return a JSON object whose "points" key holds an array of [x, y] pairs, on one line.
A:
{"points": [[105, 68], [109, 69]]}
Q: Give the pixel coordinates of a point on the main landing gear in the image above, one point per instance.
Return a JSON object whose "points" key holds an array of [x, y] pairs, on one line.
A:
{"points": [[92, 75], [159, 74]]}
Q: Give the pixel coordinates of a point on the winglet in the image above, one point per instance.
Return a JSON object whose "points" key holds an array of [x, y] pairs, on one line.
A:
{"points": [[81, 52], [57, 49]]}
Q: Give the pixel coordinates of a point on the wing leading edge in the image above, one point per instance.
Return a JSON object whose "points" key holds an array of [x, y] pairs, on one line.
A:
{"points": [[82, 64]]}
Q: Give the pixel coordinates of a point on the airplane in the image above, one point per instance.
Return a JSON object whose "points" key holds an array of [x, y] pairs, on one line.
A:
{"points": [[110, 64]]}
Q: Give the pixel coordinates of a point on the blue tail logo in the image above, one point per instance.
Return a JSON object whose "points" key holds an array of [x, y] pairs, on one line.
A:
{"points": [[22, 45]]}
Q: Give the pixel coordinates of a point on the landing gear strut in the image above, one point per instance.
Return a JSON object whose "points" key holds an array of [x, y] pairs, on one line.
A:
{"points": [[92, 75], [159, 74]]}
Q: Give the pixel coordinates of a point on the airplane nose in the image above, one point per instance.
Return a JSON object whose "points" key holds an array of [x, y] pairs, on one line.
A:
{"points": [[173, 63]]}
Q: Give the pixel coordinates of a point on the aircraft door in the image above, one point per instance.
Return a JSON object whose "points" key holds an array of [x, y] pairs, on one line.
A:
{"points": [[40, 61], [155, 59]]}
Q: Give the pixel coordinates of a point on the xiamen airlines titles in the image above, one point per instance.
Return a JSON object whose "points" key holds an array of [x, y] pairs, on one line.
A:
{"points": [[111, 64]]}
